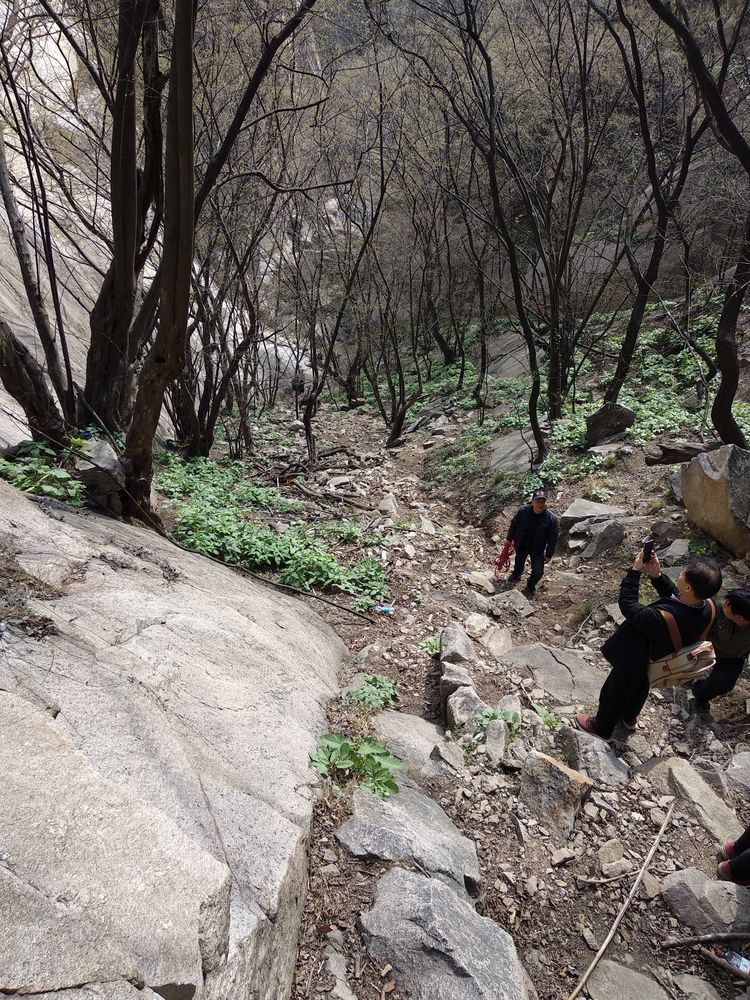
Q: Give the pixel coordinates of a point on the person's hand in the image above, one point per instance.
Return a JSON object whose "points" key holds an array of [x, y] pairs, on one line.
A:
{"points": [[638, 563], [653, 567]]}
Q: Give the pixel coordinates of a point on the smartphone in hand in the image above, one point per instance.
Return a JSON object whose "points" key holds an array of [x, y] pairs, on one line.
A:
{"points": [[648, 549]]}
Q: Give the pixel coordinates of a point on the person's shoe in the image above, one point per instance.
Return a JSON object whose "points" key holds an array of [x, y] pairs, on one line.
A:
{"points": [[700, 706], [727, 851], [529, 590], [513, 578], [724, 874], [587, 724], [630, 724]]}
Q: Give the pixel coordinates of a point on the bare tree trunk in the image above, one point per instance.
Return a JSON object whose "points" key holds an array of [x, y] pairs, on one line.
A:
{"points": [[726, 349], [33, 291], [22, 376], [166, 358]]}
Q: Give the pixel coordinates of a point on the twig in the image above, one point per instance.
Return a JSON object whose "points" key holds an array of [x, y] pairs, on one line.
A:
{"points": [[624, 908], [704, 939], [723, 965], [602, 881]]}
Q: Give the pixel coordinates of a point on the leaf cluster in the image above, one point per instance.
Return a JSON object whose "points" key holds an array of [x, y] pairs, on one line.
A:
{"points": [[376, 692], [35, 469], [363, 760]]}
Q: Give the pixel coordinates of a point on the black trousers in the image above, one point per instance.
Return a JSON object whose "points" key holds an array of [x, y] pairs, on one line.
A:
{"points": [[721, 680], [740, 866], [622, 696], [537, 566]]}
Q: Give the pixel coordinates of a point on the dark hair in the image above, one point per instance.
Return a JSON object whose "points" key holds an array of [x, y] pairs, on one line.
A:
{"points": [[704, 576], [740, 601]]}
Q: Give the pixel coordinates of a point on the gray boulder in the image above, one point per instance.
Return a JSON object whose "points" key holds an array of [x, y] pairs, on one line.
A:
{"points": [[553, 792], [463, 706], [705, 905], [512, 603], [610, 981], [497, 641], [677, 554], [453, 677], [456, 646], [678, 775], [496, 740], [695, 988], [421, 745], [411, 827], [581, 509], [512, 452], [437, 944], [738, 772], [716, 493], [562, 673], [602, 537], [591, 756], [101, 471], [608, 420]]}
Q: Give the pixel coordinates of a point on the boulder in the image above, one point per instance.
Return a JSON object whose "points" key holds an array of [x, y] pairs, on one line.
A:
{"points": [[581, 509], [695, 988], [188, 700], [603, 537], [497, 641], [453, 677], [388, 505], [678, 775], [463, 706], [100, 470], [553, 792], [476, 625], [456, 646], [512, 452], [562, 673], [511, 603], [411, 827], [421, 745], [677, 554], [705, 905], [738, 772], [675, 452], [610, 981], [716, 493], [591, 756], [496, 740], [436, 943], [608, 420], [610, 851], [483, 580]]}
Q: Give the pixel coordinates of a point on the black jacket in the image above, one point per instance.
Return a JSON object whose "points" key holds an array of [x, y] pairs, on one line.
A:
{"points": [[644, 635], [545, 539]]}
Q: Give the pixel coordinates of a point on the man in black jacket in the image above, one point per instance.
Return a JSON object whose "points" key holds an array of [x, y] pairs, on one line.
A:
{"points": [[534, 531], [644, 636], [731, 638]]}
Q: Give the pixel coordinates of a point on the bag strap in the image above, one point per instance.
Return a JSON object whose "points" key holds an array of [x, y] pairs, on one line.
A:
{"points": [[674, 632], [710, 625]]}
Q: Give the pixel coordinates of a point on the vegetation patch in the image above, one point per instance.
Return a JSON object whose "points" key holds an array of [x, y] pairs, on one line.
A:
{"points": [[376, 692], [364, 761], [35, 469]]}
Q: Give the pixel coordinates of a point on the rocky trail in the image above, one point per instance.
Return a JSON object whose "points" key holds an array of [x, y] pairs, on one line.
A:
{"points": [[499, 868]]}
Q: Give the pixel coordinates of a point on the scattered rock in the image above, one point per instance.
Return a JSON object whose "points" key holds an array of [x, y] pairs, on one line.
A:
{"points": [[677, 553], [511, 601], [695, 988], [562, 673], [388, 505], [463, 706], [421, 745], [611, 850], [616, 868], [581, 509], [456, 646], [426, 526], [437, 944], [716, 492], [674, 452], [590, 755], [453, 677], [497, 641], [483, 579], [553, 792], [496, 740], [608, 420], [705, 905], [476, 625], [738, 772], [714, 814], [411, 826], [610, 981], [561, 856], [409, 551], [603, 537], [650, 887], [336, 967]]}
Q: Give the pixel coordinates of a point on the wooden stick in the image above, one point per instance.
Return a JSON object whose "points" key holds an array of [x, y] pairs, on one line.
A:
{"points": [[705, 939], [723, 965], [624, 907]]}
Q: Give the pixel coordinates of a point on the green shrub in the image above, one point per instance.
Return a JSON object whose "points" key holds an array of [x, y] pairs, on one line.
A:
{"points": [[34, 469], [376, 691], [550, 720], [488, 715], [430, 645], [364, 760]]}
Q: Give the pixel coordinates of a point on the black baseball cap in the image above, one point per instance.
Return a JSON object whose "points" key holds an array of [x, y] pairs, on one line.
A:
{"points": [[539, 494]]}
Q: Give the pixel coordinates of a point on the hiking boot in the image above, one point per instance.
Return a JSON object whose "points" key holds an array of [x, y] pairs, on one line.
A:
{"points": [[587, 724], [529, 590], [727, 852], [699, 705], [630, 724], [513, 578], [724, 874]]}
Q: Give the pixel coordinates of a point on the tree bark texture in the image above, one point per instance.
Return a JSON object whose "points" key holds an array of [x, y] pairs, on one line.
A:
{"points": [[23, 377], [726, 349]]}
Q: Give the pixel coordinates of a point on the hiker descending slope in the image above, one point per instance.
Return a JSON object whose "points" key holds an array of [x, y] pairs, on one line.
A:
{"points": [[533, 531]]}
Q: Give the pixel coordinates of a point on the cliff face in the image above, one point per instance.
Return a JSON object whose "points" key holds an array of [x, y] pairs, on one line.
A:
{"points": [[156, 724]]}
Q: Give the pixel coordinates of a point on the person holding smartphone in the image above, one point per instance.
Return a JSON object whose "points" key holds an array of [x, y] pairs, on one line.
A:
{"points": [[644, 636]]}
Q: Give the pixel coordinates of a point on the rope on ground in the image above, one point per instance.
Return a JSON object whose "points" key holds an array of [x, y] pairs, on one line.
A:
{"points": [[624, 908]]}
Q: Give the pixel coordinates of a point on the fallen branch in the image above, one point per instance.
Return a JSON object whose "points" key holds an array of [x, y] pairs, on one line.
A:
{"points": [[624, 908], [707, 953], [602, 881], [705, 939]]}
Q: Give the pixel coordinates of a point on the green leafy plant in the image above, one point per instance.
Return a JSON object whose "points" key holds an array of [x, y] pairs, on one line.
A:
{"points": [[35, 469], [430, 645], [599, 493], [346, 532], [550, 720], [364, 760], [488, 715], [376, 691]]}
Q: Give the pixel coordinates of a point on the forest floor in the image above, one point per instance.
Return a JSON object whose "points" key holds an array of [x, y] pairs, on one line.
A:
{"points": [[556, 919]]}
